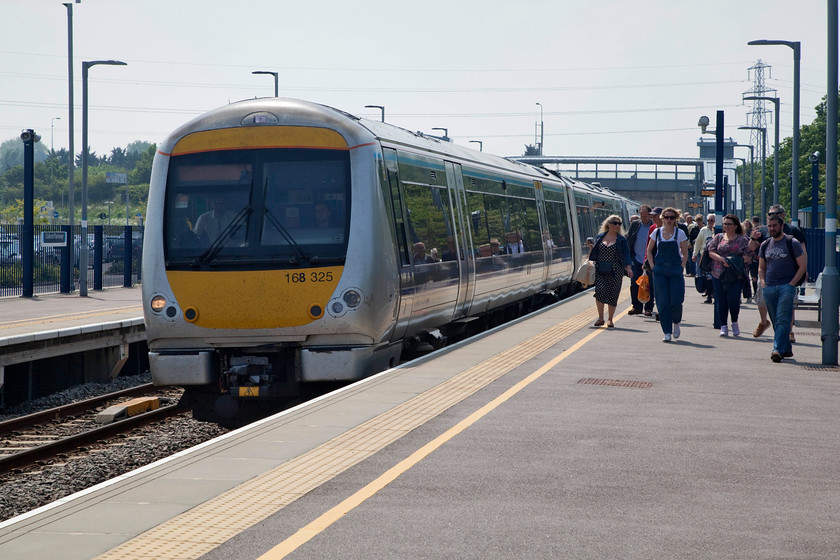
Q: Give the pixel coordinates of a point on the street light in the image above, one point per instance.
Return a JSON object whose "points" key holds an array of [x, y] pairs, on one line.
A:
{"points": [[763, 131], [380, 107], [52, 133], [83, 243], [542, 137], [445, 136], [752, 176], [276, 82], [775, 101], [480, 144], [794, 184], [71, 166]]}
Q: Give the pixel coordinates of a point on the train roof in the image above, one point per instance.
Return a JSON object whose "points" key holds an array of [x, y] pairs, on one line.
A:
{"points": [[289, 111]]}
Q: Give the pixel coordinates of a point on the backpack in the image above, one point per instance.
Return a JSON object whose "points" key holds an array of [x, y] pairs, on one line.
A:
{"points": [[705, 263], [788, 239]]}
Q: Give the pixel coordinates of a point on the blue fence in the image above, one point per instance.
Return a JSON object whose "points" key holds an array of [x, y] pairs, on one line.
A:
{"points": [[815, 242], [114, 258]]}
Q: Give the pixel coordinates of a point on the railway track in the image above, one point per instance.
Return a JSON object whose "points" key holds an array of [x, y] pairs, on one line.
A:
{"points": [[30, 439]]}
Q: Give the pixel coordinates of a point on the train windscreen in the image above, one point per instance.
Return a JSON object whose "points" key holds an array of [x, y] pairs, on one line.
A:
{"points": [[278, 207]]}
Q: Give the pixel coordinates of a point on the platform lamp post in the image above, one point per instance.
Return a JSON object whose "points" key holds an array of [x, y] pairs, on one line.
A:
{"points": [[763, 131], [703, 123], [794, 183], [83, 242], [743, 188], [775, 101], [831, 283], [380, 107], [52, 133], [445, 136], [542, 136], [71, 165], [276, 80], [752, 176], [27, 247], [480, 144]]}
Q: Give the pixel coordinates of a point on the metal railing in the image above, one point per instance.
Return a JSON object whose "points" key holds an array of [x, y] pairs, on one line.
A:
{"points": [[114, 259]]}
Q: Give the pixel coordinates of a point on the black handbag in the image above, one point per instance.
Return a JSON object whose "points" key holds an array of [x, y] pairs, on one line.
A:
{"points": [[604, 267]]}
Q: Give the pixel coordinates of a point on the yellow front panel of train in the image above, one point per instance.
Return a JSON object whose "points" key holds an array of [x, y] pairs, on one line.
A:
{"points": [[254, 299]]}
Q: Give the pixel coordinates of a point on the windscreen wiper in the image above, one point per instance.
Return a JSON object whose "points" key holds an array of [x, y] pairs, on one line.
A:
{"points": [[288, 237], [226, 234]]}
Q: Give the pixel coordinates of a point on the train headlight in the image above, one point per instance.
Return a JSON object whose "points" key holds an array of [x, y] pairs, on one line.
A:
{"points": [[352, 298], [158, 303]]}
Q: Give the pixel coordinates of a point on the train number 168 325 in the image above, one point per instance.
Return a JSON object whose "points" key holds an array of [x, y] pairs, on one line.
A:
{"points": [[303, 277]]}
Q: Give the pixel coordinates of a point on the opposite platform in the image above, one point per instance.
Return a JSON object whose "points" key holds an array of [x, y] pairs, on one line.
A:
{"points": [[54, 312]]}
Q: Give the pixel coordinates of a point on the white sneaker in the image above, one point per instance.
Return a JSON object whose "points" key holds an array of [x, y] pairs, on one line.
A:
{"points": [[735, 330], [676, 329], [666, 338], [724, 331]]}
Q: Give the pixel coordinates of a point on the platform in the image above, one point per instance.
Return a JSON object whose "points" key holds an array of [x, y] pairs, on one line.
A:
{"points": [[55, 312], [547, 438], [105, 324]]}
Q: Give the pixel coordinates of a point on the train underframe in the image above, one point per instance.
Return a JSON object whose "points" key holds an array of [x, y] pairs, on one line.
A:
{"points": [[258, 381]]}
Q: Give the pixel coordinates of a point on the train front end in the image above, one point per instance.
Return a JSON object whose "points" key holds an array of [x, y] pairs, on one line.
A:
{"points": [[263, 266]]}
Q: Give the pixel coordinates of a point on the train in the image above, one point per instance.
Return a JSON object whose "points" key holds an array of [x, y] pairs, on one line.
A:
{"points": [[289, 243]]}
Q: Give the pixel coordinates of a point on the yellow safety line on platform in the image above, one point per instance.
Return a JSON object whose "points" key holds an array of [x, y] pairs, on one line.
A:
{"points": [[208, 525], [319, 525]]}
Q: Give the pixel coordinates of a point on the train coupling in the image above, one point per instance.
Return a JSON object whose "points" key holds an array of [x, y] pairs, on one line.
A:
{"points": [[250, 376]]}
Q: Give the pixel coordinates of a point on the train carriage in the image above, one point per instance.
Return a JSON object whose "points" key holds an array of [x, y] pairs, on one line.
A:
{"points": [[289, 242]]}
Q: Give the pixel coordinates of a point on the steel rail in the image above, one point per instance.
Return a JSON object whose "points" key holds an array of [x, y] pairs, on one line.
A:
{"points": [[30, 420], [32, 455]]}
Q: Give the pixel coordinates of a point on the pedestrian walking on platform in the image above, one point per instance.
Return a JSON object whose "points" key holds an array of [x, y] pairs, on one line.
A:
{"points": [[611, 255], [782, 262], [699, 245], [668, 250], [730, 255], [637, 238]]}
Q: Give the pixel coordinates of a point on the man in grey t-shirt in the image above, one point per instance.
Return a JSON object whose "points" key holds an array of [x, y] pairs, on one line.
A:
{"points": [[781, 264]]}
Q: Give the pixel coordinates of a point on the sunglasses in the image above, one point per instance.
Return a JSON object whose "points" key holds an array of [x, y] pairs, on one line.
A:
{"points": [[615, 223], [669, 217], [728, 224]]}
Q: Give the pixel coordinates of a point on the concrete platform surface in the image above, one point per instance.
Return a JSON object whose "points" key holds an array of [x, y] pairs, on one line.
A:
{"points": [[549, 438]]}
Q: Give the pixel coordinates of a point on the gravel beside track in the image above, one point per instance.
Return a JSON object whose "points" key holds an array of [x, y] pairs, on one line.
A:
{"points": [[21, 492], [31, 488]]}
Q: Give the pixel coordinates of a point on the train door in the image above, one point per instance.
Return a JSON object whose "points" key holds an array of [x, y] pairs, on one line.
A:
{"points": [[463, 238], [545, 234], [585, 223], [394, 198]]}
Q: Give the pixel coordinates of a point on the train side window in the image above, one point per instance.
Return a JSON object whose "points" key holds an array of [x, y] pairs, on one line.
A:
{"points": [[429, 223], [558, 224]]}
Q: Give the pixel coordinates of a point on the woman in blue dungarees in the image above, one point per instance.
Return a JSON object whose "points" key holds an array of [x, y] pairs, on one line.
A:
{"points": [[668, 250]]}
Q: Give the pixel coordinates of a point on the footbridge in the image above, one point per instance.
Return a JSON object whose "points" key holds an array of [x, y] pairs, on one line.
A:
{"points": [[674, 182]]}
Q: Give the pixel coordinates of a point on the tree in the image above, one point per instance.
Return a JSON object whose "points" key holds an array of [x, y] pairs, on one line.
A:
{"points": [[118, 157], [11, 153], [531, 150], [811, 139], [142, 172]]}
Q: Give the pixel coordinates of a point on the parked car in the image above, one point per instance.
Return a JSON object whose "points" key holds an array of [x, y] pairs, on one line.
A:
{"points": [[9, 252], [113, 247]]}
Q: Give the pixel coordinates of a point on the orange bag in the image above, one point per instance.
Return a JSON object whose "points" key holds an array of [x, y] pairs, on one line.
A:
{"points": [[644, 287]]}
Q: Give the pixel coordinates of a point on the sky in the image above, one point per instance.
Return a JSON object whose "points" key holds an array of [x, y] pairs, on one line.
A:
{"points": [[612, 78]]}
